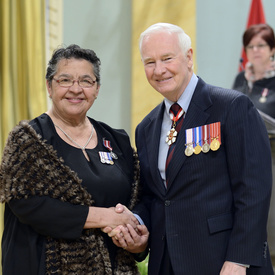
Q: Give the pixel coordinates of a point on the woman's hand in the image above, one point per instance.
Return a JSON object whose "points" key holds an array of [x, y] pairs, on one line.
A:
{"points": [[113, 231], [100, 217]]}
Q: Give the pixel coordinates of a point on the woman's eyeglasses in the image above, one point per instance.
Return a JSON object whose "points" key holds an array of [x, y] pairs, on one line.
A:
{"points": [[68, 82], [257, 47]]}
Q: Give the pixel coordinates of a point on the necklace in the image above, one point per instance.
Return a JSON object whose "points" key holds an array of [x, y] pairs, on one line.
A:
{"points": [[81, 147]]}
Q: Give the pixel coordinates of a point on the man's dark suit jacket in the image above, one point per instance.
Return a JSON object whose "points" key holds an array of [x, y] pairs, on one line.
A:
{"points": [[216, 206]]}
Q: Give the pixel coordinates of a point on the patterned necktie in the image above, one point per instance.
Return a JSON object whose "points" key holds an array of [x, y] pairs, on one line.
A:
{"points": [[175, 108]]}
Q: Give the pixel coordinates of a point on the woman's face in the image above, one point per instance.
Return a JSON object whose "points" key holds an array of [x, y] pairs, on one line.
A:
{"points": [[73, 102], [258, 51]]}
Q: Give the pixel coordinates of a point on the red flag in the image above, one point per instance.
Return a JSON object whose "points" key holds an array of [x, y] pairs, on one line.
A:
{"points": [[256, 16]]}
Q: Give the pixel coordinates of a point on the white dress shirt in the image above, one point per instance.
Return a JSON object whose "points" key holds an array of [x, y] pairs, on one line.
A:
{"points": [[184, 102]]}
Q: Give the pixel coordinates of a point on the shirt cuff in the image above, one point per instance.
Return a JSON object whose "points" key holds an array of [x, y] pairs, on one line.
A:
{"points": [[139, 219], [244, 265]]}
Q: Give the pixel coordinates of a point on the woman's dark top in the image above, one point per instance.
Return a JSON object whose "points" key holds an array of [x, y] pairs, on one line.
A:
{"points": [[263, 103], [23, 248]]}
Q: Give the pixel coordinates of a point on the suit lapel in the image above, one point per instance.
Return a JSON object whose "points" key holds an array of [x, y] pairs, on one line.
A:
{"points": [[153, 130], [196, 115]]}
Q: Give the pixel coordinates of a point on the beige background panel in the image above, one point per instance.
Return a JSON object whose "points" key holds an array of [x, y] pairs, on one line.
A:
{"points": [[146, 13], [22, 66]]}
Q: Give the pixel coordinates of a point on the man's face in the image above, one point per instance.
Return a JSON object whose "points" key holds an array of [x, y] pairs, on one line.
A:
{"points": [[167, 69]]}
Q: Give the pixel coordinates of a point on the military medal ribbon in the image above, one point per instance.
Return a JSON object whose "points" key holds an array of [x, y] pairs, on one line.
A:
{"points": [[172, 134]]}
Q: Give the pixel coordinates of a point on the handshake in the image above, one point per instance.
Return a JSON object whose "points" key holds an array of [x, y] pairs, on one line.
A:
{"points": [[131, 235], [121, 225]]}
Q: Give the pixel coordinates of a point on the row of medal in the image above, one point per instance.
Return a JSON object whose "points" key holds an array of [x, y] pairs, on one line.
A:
{"points": [[107, 157], [198, 139], [203, 138]]}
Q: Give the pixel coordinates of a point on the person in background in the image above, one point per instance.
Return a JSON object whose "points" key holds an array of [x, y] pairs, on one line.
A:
{"points": [[257, 80], [61, 176], [205, 169]]}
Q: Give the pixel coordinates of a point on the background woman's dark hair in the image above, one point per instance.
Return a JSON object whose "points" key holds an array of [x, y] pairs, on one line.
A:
{"points": [[264, 30], [73, 51]]}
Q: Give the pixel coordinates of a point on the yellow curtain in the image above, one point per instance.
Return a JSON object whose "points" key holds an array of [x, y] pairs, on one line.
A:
{"points": [[22, 65], [146, 13]]}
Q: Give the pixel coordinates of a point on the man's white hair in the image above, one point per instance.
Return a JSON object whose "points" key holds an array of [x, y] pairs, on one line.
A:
{"points": [[184, 39]]}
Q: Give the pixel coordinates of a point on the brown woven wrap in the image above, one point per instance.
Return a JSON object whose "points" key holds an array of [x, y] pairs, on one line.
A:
{"points": [[30, 167]]}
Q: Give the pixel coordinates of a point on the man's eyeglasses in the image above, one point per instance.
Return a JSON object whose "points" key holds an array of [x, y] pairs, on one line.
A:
{"points": [[68, 82], [257, 47]]}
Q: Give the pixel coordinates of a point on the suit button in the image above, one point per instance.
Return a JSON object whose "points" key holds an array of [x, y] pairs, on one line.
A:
{"points": [[167, 203]]}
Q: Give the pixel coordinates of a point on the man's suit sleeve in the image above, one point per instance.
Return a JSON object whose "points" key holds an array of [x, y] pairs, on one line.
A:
{"points": [[249, 164], [143, 207]]}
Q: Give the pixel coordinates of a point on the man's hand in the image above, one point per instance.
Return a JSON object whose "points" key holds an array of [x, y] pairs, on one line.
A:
{"points": [[230, 268], [134, 241]]}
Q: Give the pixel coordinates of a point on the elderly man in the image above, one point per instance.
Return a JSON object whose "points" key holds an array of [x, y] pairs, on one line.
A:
{"points": [[205, 169]]}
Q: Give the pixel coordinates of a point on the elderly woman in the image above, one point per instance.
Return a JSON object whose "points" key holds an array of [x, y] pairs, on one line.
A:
{"points": [[61, 176], [258, 78]]}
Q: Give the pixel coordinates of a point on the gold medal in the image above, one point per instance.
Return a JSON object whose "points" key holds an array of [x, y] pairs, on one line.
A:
{"points": [[215, 145], [197, 149], [189, 150], [215, 134], [205, 147]]}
